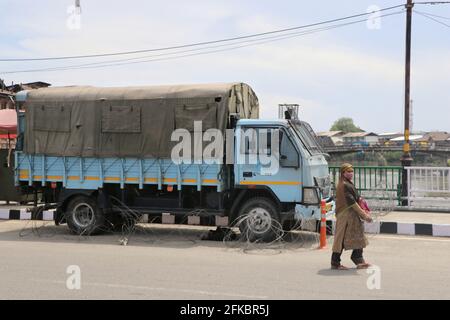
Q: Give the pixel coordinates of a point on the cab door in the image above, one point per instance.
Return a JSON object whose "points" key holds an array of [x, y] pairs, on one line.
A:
{"points": [[267, 157]]}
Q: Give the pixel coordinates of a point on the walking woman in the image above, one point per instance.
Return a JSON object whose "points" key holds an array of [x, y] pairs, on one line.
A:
{"points": [[349, 225]]}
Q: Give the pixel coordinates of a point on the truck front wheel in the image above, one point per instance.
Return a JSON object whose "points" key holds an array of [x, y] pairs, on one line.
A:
{"points": [[83, 216], [259, 220]]}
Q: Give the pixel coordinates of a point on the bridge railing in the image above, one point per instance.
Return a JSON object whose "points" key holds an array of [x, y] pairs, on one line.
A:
{"points": [[428, 187], [373, 182], [356, 148]]}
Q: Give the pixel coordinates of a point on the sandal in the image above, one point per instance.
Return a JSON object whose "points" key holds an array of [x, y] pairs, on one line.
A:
{"points": [[338, 267], [364, 265]]}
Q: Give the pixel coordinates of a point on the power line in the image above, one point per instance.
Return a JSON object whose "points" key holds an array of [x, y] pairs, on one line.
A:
{"points": [[433, 15], [259, 41], [432, 2], [176, 55], [256, 41], [433, 19], [199, 43]]}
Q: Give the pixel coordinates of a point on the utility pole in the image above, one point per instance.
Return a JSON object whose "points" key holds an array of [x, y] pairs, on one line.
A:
{"points": [[406, 158]]}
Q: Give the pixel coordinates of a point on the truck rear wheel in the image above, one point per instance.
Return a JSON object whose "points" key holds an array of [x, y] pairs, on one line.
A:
{"points": [[83, 216], [259, 220]]}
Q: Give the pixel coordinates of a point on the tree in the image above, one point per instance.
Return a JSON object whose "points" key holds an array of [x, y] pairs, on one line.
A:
{"points": [[346, 125]]}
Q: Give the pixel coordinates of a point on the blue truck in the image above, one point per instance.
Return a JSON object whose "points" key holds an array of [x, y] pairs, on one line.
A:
{"points": [[94, 153]]}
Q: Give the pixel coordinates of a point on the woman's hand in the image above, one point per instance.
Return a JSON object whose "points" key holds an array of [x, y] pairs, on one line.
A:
{"points": [[363, 214]]}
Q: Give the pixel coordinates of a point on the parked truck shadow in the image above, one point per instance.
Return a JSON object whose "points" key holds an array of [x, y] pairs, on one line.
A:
{"points": [[150, 235]]}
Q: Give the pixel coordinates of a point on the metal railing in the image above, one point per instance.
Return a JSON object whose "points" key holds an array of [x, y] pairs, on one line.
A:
{"points": [[428, 187], [355, 148], [381, 183]]}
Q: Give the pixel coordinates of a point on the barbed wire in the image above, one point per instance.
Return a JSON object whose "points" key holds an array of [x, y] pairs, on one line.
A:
{"points": [[125, 221], [243, 238], [382, 201]]}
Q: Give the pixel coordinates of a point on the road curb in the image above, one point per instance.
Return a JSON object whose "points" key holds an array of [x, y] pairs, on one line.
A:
{"points": [[405, 228], [377, 227], [413, 209], [24, 214], [164, 218]]}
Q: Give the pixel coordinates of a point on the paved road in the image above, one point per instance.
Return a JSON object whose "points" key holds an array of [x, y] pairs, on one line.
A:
{"points": [[172, 263]]}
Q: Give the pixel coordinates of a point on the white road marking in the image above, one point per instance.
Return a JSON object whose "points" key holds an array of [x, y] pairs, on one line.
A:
{"points": [[124, 286]]}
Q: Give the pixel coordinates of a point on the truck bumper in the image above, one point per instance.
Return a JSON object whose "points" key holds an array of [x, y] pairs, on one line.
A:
{"points": [[311, 212]]}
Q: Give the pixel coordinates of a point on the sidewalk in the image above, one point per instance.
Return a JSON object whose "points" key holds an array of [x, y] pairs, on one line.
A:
{"points": [[417, 217]]}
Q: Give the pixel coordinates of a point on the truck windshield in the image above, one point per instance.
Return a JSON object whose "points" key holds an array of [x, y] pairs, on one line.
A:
{"points": [[307, 135]]}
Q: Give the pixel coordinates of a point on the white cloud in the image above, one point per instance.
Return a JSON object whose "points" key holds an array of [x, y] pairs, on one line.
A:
{"points": [[325, 75]]}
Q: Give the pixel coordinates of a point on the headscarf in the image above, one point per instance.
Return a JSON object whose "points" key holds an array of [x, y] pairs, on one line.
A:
{"points": [[341, 202], [345, 167]]}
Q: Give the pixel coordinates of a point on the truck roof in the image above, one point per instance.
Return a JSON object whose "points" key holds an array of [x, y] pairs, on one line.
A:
{"points": [[127, 121], [91, 93]]}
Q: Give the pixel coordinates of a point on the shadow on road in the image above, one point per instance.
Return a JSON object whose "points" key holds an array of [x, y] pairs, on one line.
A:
{"points": [[338, 273], [150, 235]]}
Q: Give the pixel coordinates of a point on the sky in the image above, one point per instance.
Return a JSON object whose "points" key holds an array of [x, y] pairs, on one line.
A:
{"points": [[354, 71]]}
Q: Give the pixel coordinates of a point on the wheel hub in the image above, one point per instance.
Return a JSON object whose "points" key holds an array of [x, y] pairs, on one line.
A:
{"points": [[259, 220], [83, 215]]}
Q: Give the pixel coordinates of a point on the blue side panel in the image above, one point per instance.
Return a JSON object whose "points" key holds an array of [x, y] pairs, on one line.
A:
{"points": [[93, 173]]}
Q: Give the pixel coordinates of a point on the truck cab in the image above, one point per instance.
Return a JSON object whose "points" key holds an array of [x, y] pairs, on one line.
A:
{"points": [[299, 179]]}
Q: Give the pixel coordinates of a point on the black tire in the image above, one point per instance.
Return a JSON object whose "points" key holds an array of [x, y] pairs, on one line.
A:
{"points": [[259, 220], [84, 216]]}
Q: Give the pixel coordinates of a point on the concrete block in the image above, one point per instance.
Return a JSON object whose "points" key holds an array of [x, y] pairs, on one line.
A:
{"points": [[25, 215], [221, 221], [48, 215], [167, 218], [372, 227], [441, 230], [4, 214], [195, 220], [406, 228], [144, 218]]}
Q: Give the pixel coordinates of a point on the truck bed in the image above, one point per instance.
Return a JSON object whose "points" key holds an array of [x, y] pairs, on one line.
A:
{"points": [[92, 173]]}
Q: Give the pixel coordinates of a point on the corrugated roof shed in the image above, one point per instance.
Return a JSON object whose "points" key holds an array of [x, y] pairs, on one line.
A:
{"points": [[359, 134]]}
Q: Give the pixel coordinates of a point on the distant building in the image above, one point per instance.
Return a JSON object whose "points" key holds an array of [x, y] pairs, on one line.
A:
{"points": [[330, 138], [360, 138], [439, 138], [414, 139], [6, 99], [384, 137], [7, 93], [27, 86]]}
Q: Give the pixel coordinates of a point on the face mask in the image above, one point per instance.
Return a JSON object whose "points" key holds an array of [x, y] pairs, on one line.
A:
{"points": [[348, 175]]}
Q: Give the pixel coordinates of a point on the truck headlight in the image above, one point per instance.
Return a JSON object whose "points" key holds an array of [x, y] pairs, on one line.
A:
{"points": [[310, 195]]}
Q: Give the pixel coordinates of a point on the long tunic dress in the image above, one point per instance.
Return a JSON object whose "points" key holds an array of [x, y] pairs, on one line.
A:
{"points": [[349, 233]]}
